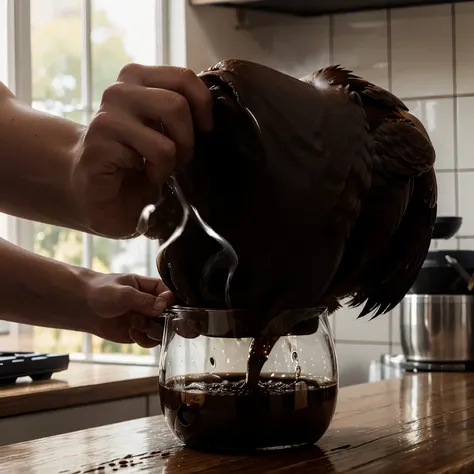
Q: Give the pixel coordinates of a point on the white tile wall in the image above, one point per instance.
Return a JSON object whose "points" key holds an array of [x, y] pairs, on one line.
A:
{"points": [[360, 43], [466, 200], [447, 194], [465, 126], [354, 361], [422, 51], [351, 329], [438, 117], [423, 54], [464, 65]]}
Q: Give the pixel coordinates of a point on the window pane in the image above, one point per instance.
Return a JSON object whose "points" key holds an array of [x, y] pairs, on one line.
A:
{"points": [[122, 32], [56, 56], [120, 256], [106, 347], [111, 256]]}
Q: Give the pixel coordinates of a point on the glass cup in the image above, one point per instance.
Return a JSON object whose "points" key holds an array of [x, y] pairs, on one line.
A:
{"points": [[209, 402]]}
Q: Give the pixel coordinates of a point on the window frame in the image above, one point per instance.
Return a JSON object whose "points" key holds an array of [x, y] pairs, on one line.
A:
{"points": [[19, 80]]}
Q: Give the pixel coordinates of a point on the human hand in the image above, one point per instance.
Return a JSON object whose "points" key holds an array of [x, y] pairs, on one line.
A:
{"points": [[143, 130], [127, 307]]}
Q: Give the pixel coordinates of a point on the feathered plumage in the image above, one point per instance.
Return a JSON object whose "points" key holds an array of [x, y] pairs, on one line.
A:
{"points": [[324, 186]]}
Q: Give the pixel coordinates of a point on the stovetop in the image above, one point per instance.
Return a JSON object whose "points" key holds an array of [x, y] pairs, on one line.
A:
{"points": [[36, 365]]}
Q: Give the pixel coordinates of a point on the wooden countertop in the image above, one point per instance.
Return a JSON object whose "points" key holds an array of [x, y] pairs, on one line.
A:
{"points": [[419, 423], [80, 384]]}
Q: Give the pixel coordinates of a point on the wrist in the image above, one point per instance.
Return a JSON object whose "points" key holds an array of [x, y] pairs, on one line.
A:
{"points": [[78, 183], [85, 319]]}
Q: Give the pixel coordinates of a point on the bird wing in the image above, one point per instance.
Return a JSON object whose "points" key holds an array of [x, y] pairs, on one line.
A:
{"points": [[284, 187], [404, 154]]}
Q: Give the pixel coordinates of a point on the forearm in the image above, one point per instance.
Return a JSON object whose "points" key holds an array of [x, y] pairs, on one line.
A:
{"points": [[43, 292], [36, 161]]}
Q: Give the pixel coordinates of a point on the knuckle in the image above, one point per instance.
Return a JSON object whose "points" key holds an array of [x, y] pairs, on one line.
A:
{"points": [[147, 300], [127, 279], [187, 74], [178, 103], [130, 70], [101, 123], [118, 297], [168, 147], [113, 93]]}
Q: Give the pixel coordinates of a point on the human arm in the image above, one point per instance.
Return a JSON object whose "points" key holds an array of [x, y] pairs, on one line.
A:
{"points": [[95, 178], [37, 152], [44, 292]]}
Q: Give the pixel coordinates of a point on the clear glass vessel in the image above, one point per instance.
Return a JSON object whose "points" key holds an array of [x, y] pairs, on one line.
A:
{"points": [[211, 401]]}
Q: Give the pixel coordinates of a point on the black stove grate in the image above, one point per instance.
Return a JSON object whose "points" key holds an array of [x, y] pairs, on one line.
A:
{"points": [[35, 365]]}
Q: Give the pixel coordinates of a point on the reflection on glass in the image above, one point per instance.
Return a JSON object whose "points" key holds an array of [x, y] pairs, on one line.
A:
{"points": [[56, 56]]}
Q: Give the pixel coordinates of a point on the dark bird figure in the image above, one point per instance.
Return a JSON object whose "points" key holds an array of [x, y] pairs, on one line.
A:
{"points": [[324, 186]]}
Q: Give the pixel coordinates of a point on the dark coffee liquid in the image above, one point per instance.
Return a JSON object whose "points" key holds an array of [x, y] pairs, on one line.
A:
{"points": [[220, 411], [259, 351]]}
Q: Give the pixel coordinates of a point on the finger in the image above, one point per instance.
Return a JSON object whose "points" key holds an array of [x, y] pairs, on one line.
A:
{"points": [[153, 327], [124, 156], [158, 150], [180, 80], [149, 284], [142, 339], [154, 286], [155, 332], [131, 299], [167, 108], [168, 296]]}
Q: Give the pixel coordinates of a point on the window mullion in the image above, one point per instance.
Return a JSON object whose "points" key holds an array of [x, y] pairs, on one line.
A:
{"points": [[19, 231], [20, 53], [161, 31], [161, 57], [86, 82]]}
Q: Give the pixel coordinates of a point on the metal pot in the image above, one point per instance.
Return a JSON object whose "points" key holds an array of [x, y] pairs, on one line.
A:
{"points": [[437, 328]]}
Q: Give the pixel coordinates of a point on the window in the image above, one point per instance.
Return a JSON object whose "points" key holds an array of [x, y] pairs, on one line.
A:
{"points": [[70, 51]]}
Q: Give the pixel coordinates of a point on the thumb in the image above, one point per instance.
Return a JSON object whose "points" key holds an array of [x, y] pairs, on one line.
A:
{"points": [[131, 299]]}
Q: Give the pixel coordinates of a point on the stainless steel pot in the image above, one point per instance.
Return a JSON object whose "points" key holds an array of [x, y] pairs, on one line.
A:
{"points": [[437, 328]]}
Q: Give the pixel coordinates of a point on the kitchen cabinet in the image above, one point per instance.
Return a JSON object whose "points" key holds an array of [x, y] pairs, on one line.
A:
{"points": [[317, 7], [16, 429], [20, 428], [84, 396]]}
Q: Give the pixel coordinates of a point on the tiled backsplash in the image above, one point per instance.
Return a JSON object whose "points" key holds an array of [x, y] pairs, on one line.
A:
{"points": [[425, 55]]}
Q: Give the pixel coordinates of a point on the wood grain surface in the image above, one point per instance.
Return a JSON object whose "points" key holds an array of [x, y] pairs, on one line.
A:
{"points": [[421, 423], [81, 384]]}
